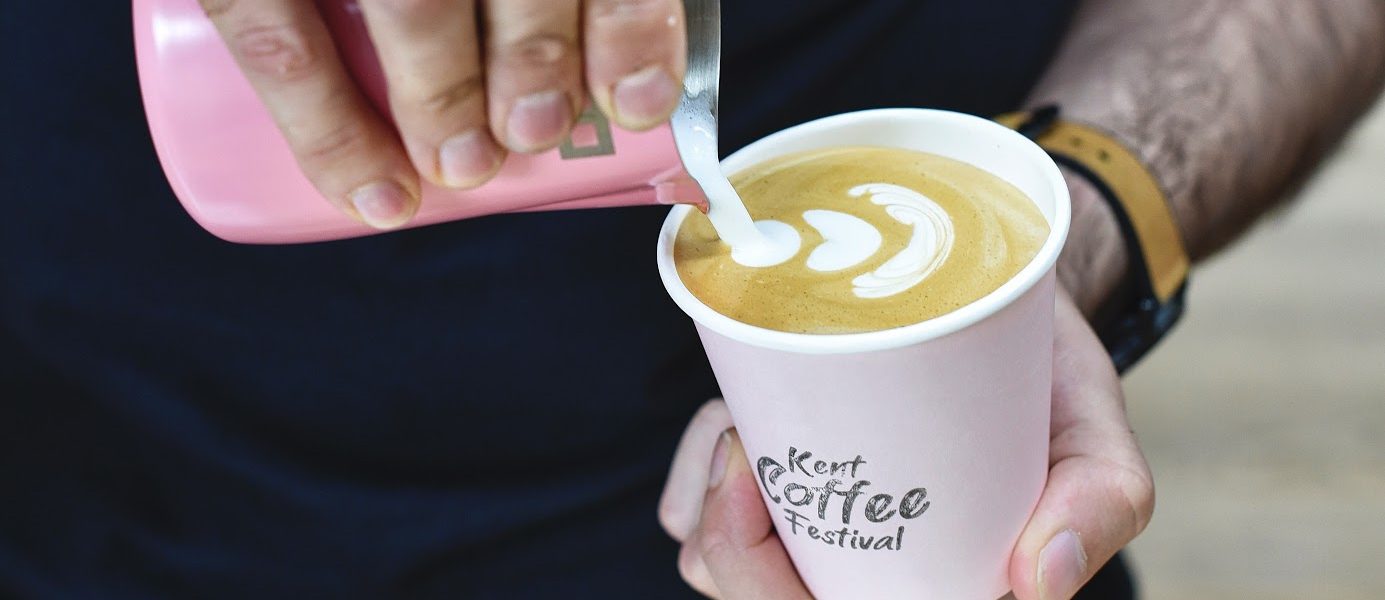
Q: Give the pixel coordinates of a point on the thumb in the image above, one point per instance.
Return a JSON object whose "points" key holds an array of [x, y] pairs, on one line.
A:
{"points": [[1100, 494], [736, 538]]}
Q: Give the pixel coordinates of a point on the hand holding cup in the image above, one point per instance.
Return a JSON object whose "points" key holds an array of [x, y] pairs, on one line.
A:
{"points": [[1099, 495]]}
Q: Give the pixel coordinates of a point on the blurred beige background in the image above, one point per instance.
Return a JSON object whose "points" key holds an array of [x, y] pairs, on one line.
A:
{"points": [[1263, 414]]}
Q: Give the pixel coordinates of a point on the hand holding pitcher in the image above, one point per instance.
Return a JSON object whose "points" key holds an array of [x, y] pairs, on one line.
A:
{"points": [[467, 82]]}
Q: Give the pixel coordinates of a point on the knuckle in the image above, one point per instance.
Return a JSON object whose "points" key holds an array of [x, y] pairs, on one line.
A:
{"points": [[415, 8], [215, 8], [668, 519], [689, 565], [713, 406], [1138, 492], [713, 412], [281, 52], [534, 52], [319, 152], [624, 13], [446, 100], [693, 569], [636, 32], [713, 542]]}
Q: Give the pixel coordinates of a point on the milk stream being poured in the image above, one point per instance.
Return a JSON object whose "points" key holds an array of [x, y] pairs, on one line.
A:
{"points": [[759, 244]]}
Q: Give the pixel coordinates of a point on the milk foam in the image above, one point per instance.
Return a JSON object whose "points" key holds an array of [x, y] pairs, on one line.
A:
{"points": [[847, 241], [781, 243], [928, 247]]}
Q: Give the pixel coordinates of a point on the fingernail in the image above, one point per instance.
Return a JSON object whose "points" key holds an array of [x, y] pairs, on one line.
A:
{"points": [[719, 456], [1062, 565], [538, 120], [383, 204], [644, 98], [467, 159]]}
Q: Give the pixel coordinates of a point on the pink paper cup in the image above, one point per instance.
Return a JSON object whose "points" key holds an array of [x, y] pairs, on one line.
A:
{"points": [[900, 463]]}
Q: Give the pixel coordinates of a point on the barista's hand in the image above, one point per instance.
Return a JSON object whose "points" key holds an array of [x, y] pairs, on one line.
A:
{"points": [[467, 79], [1099, 495]]}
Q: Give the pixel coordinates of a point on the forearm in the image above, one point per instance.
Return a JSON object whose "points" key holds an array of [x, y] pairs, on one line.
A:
{"points": [[1228, 102]]}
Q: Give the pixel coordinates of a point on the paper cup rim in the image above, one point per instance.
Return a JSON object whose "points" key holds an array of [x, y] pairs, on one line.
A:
{"points": [[884, 339]]}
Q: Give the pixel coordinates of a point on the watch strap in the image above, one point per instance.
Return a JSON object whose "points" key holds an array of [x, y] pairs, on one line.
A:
{"points": [[1158, 262]]}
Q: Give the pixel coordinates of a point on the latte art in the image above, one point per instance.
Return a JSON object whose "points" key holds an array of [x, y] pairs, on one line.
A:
{"points": [[846, 240], [881, 238], [927, 249]]}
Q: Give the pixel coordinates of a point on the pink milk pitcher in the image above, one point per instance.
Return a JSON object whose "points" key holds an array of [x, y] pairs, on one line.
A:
{"points": [[234, 173]]}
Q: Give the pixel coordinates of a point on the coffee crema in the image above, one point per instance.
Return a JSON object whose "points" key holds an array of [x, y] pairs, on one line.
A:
{"points": [[890, 237]]}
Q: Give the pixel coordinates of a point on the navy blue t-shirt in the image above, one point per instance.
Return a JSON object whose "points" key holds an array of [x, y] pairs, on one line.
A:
{"points": [[397, 416]]}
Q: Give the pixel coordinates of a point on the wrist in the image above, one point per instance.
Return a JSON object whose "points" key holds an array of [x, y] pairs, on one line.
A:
{"points": [[1094, 262], [1124, 264]]}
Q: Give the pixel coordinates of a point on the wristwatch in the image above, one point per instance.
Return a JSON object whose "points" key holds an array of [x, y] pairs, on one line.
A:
{"points": [[1158, 275]]}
